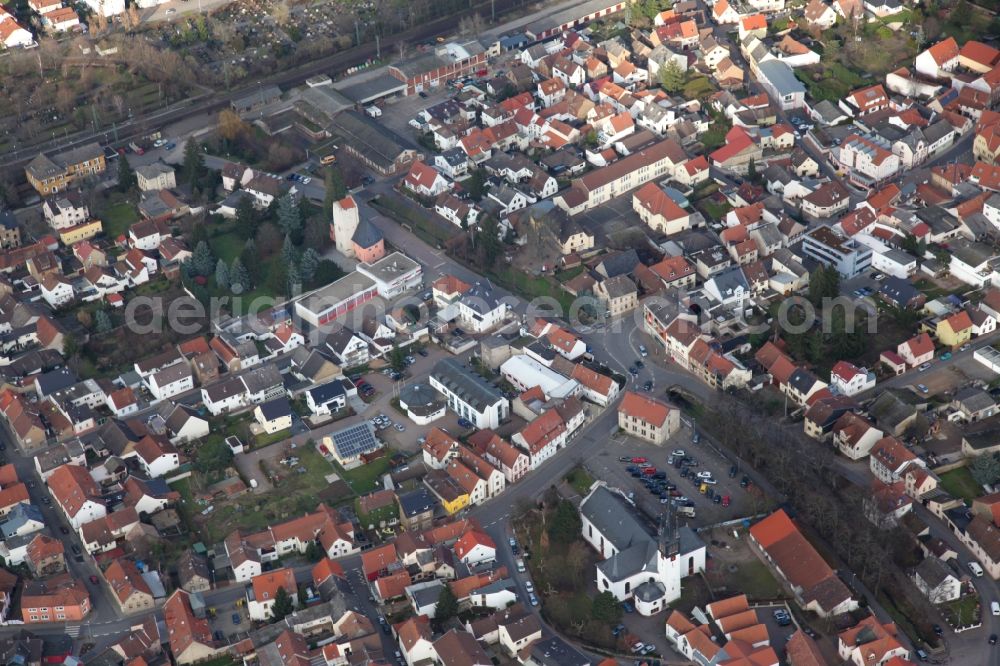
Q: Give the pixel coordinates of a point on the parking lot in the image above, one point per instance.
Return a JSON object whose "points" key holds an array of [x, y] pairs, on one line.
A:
{"points": [[742, 501]]}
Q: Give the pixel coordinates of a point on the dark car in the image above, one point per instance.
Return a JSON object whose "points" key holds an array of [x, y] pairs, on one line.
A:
{"points": [[993, 639], [733, 471], [745, 482], [937, 629], [95, 580], [647, 387], [218, 635], [422, 94], [464, 423], [639, 364], [422, 352], [236, 618], [64, 529], [660, 475], [76, 549], [367, 180]]}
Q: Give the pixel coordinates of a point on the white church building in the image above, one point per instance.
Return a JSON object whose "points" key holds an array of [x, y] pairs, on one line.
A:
{"points": [[637, 565]]}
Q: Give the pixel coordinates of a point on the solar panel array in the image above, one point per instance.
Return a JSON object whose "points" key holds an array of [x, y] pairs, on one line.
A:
{"points": [[355, 441]]}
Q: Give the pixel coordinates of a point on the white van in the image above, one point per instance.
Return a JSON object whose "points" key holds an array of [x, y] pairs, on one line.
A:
{"points": [[373, 111], [995, 607], [975, 568]]}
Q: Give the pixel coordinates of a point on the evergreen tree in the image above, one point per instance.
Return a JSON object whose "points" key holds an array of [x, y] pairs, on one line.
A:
{"points": [[289, 218], [202, 261], [308, 264], [489, 241], [126, 175], [672, 77], [194, 162], [333, 183], [283, 605], [246, 217], [565, 525], [288, 253], [251, 264], [447, 605], [294, 279], [317, 233], [102, 322], [222, 278], [239, 277]]}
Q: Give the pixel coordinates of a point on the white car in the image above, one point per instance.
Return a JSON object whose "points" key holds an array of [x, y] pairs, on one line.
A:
{"points": [[679, 453], [529, 587], [704, 475], [642, 351]]}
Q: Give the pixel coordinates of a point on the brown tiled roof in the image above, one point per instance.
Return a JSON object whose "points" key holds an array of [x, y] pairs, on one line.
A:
{"points": [[644, 408]]}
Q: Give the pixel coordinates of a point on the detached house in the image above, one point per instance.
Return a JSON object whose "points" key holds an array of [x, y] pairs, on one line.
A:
{"points": [[425, 180], [647, 418]]}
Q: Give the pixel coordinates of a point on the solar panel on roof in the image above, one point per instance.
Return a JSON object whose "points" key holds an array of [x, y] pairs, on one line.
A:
{"points": [[355, 441]]}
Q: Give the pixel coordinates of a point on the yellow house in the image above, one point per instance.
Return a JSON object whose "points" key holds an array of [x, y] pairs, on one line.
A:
{"points": [[956, 330], [451, 495], [80, 232], [55, 174]]}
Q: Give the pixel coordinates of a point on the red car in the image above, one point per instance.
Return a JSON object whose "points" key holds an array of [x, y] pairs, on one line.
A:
{"points": [[725, 500], [649, 471], [638, 460], [94, 580]]}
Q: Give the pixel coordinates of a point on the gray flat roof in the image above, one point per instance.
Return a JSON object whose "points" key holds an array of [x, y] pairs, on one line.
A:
{"points": [[389, 267], [371, 89], [335, 292]]}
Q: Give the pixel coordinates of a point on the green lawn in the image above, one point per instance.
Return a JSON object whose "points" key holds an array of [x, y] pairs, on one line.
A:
{"points": [[265, 439], [959, 483], [118, 218], [756, 581], [580, 479], [227, 246], [962, 611], [363, 479], [530, 286], [714, 210]]}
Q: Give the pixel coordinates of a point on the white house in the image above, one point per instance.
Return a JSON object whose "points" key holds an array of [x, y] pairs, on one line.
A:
{"points": [[56, 291], [939, 60], [108, 8], [848, 379], [326, 398], [937, 581], [475, 547], [647, 568], [468, 394], [172, 380], [480, 309], [425, 180]]}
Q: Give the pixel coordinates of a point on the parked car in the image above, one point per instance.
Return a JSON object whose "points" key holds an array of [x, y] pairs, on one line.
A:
{"points": [[236, 618], [922, 388], [923, 366], [678, 452], [532, 599], [993, 639], [643, 352], [464, 423]]}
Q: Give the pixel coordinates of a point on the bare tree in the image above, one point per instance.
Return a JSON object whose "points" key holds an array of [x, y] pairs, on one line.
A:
{"points": [[281, 13]]}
